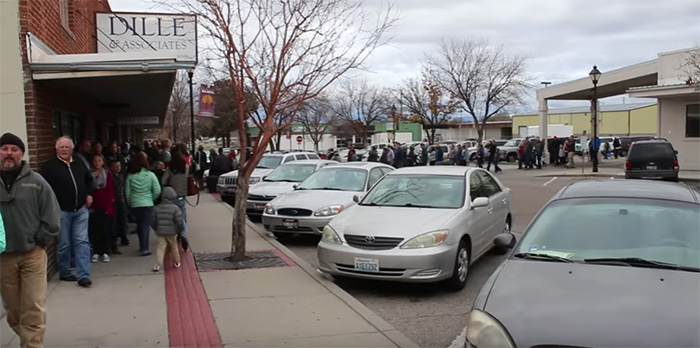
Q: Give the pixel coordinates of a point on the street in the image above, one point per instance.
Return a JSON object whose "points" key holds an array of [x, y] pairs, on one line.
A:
{"points": [[430, 316]]}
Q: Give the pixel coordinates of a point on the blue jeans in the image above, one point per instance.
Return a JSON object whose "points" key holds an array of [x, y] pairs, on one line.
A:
{"points": [[180, 202], [73, 244], [144, 220]]}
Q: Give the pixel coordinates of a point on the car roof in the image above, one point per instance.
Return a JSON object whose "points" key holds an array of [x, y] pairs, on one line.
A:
{"points": [[284, 154], [435, 170], [651, 141], [309, 161], [361, 165], [629, 189]]}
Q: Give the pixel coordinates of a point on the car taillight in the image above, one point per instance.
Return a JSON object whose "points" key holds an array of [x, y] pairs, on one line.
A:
{"points": [[675, 164], [628, 165], [628, 145]]}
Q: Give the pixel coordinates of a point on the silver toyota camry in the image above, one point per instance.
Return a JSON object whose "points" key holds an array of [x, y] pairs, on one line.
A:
{"points": [[418, 224], [319, 198], [282, 180]]}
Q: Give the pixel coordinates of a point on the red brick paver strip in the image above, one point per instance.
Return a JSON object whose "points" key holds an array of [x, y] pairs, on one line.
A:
{"points": [[190, 319]]}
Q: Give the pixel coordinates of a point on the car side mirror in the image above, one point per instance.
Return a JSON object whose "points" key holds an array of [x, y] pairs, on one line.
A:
{"points": [[504, 240], [264, 178], [296, 186], [356, 198], [675, 151], [480, 202]]}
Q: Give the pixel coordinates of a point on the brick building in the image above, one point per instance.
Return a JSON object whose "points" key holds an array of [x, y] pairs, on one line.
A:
{"points": [[74, 67]]}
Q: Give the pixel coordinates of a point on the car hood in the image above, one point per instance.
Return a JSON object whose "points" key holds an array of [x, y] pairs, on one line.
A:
{"points": [[270, 188], [390, 221], [313, 199], [584, 305], [257, 172]]}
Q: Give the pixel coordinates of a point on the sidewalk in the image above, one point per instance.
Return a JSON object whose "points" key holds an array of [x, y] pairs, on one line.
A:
{"points": [[290, 305]]}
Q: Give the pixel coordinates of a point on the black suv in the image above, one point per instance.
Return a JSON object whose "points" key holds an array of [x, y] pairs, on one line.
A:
{"points": [[626, 142], [652, 159]]}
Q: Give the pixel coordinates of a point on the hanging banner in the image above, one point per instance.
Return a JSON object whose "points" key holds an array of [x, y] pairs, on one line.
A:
{"points": [[207, 101]]}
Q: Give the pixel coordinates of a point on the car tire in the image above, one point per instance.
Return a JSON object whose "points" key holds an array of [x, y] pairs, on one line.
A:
{"points": [[512, 158], [282, 237], [255, 218], [462, 266], [503, 251], [230, 200]]}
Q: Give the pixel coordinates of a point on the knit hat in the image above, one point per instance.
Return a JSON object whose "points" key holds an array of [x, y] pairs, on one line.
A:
{"points": [[11, 139]]}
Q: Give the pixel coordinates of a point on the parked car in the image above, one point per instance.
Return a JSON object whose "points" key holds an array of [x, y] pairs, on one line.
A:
{"points": [[652, 159], [509, 150], [226, 185], [418, 224], [319, 198], [623, 272], [280, 181], [626, 142]]}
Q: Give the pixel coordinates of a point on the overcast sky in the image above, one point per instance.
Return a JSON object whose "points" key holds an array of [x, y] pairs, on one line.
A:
{"points": [[562, 38]]}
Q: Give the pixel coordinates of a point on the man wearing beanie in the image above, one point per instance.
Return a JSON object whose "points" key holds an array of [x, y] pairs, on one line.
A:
{"points": [[32, 219], [72, 183]]}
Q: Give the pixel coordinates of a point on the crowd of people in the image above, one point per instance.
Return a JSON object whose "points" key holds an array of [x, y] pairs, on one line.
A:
{"points": [[84, 198]]}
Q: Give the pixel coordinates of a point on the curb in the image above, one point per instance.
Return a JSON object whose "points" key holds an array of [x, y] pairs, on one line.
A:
{"points": [[394, 335]]}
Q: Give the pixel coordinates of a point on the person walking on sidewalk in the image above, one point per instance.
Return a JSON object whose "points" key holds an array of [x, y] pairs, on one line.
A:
{"points": [[168, 224], [176, 177], [71, 181], [32, 221], [120, 221], [102, 211], [142, 189]]}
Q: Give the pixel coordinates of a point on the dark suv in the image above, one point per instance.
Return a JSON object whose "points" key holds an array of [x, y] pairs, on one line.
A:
{"points": [[652, 159], [626, 142]]}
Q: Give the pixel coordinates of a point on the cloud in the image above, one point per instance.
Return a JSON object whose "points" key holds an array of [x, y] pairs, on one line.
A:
{"points": [[563, 39]]}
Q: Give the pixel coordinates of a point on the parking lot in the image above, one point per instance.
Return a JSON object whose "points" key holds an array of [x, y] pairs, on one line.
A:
{"points": [[429, 315]]}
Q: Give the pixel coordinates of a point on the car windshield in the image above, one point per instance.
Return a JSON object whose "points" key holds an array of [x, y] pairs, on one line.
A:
{"points": [[270, 162], [341, 179], [429, 191], [641, 152], [512, 143], [292, 172], [655, 230]]}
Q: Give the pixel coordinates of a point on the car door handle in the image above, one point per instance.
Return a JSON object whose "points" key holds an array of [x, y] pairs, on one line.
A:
{"points": [[490, 210], [505, 201]]}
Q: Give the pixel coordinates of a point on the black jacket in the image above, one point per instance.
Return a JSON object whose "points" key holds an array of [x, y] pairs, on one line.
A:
{"points": [[70, 182]]}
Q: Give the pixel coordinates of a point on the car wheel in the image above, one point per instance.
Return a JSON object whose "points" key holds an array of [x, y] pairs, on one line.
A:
{"points": [[502, 251], [512, 157], [255, 218], [282, 237], [230, 200], [461, 268]]}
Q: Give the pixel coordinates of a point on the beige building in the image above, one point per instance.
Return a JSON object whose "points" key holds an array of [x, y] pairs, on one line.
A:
{"points": [[664, 78], [615, 119]]}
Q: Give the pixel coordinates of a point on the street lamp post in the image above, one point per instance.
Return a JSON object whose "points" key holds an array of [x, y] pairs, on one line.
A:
{"points": [[595, 77], [190, 73]]}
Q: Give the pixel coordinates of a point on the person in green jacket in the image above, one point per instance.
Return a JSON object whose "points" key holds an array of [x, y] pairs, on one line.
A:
{"points": [[142, 189]]}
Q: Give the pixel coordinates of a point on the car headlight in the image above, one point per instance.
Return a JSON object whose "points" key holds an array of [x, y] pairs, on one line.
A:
{"points": [[220, 181], [426, 240], [484, 331], [269, 210], [329, 210], [330, 236], [254, 180]]}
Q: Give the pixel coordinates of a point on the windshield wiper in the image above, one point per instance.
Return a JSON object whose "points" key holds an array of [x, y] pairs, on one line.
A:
{"points": [[327, 188], [370, 204], [639, 262], [263, 167], [541, 256], [280, 180], [413, 205]]}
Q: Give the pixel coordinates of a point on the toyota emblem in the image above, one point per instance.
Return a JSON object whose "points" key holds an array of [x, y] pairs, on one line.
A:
{"points": [[294, 212], [369, 239]]}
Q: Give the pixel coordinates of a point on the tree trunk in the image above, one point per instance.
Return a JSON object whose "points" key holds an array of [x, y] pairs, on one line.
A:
{"points": [[238, 240], [316, 146], [480, 133]]}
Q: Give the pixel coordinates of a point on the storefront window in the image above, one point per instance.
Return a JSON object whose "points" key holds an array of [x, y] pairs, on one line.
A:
{"points": [[67, 124], [692, 121]]}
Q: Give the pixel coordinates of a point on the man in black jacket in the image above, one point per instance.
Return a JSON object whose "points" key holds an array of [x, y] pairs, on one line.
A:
{"points": [[32, 221], [72, 183]]}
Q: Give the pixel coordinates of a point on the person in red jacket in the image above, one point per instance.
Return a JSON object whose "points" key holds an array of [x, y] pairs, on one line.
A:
{"points": [[102, 211]]}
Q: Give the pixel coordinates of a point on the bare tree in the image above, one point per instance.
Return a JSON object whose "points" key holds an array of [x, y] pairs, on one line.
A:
{"points": [[357, 100], [428, 103], [285, 52], [177, 119], [483, 77], [691, 67], [317, 117]]}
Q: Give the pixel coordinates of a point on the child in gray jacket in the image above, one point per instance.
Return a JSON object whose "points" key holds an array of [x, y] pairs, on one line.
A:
{"points": [[168, 224]]}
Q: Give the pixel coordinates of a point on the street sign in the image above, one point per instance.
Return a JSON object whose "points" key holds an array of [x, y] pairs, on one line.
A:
{"points": [[299, 139]]}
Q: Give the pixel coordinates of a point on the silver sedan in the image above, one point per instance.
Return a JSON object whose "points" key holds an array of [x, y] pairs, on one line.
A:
{"points": [[419, 224], [319, 198]]}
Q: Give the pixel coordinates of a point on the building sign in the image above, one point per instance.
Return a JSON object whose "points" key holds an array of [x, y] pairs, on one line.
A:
{"points": [[137, 32], [207, 101], [138, 121]]}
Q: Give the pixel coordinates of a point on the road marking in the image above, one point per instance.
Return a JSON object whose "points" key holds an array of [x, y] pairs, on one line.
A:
{"points": [[460, 341], [550, 181]]}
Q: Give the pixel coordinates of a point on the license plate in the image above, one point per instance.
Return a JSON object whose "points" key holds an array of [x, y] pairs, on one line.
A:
{"points": [[651, 167], [260, 206], [290, 223], [367, 265]]}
